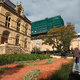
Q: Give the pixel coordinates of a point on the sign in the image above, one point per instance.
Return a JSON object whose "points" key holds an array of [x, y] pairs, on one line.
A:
{"points": [[38, 44]]}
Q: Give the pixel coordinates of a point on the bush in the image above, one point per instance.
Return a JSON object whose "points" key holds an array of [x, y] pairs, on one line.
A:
{"points": [[20, 65], [4, 69], [10, 58], [62, 73], [32, 74], [36, 50]]}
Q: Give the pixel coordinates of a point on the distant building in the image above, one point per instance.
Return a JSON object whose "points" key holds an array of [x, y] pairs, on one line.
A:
{"points": [[15, 28], [41, 27], [75, 42]]}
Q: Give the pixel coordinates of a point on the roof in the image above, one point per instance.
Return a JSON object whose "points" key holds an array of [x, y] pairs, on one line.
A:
{"points": [[13, 6], [8, 2]]}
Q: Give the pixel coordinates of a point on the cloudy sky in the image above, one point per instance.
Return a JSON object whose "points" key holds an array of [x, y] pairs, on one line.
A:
{"points": [[40, 9]]}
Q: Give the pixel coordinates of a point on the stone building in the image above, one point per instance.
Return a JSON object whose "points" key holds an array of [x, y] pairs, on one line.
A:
{"points": [[75, 42], [15, 28]]}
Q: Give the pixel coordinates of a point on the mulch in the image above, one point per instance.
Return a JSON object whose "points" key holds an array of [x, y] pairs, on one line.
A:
{"points": [[17, 73]]}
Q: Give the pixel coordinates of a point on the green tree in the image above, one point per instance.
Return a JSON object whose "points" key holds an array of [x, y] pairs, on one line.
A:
{"points": [[36, 50], [65, 39], [58, 37]]}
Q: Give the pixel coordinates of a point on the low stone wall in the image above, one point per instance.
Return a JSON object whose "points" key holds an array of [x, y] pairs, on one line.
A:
{"points": [[2, 49], [11, 49]]}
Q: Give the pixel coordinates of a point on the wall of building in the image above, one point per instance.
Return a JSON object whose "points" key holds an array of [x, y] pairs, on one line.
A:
{"points": [[38, 43], [75, 43], [13, 25]]}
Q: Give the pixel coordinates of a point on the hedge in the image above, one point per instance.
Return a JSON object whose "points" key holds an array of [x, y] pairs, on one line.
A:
{"points": [[10, 58]]}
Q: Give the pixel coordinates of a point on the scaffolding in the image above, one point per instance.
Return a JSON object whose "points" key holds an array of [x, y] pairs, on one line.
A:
{"points": [[46, 24]]}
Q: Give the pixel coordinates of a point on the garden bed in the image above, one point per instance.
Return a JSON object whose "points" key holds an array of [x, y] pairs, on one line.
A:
{"points": [[17, 73]]}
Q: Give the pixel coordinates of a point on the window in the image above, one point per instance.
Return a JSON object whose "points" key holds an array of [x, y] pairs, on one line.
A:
{"points": [[7, 23], [26, 30], [4, 37], [18, 25], [17, 40], [25, 43]]}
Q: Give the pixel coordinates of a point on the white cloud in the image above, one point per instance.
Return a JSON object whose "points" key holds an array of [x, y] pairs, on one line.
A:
{"points": [[40, 9]]}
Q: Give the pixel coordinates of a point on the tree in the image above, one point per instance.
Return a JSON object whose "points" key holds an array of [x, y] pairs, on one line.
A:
{"points": [[65, 39], [36, 50], [58, 37]]}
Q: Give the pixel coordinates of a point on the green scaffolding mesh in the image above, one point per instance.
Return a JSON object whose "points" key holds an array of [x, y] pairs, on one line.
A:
{"points": [[46, 24]]}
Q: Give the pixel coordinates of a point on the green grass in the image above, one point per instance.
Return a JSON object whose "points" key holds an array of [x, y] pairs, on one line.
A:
{"points": [[20, 65], [50, 61], [28, 61], [62, 73], [4, 69], [31, 75]]}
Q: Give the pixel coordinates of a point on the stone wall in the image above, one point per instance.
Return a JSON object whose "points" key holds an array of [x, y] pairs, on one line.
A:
{"points": [[11, 49], [2, 49]]}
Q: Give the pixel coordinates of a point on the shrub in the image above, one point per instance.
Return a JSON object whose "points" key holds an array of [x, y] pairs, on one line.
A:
{"points": [[4, 69], [10, 58], [32, 74], [20, 65], [62, 73], [36, 50], [37, 60]]}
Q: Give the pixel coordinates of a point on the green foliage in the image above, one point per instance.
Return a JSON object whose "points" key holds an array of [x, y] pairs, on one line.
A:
{"points": [[50, 61], [20, 65], [65, 39], [10, 58], [59, 48], [60, 37], [4, 69], [37, 60], [47, 50], [36, 50], [32, 74], [62, 73]]}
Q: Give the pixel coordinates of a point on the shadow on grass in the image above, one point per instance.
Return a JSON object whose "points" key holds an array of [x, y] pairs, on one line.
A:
{"points": [[62, 73], [9, 72]]}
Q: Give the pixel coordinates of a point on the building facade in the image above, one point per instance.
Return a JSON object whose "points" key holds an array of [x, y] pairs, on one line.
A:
{"points": [[41, 27], [15, 28], [75, 42]]}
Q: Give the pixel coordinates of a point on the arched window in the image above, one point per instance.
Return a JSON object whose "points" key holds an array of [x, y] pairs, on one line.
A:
{"points": [[17, 40], [8, 19], [25, 43], [4, 37], [26, 29], [18, 25]]}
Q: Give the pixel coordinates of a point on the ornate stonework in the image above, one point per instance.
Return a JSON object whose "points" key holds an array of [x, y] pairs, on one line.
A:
{"points": [[15, 28]]}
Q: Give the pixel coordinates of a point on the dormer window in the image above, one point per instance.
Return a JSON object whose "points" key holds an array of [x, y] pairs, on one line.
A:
{"points": [[19, 9]]}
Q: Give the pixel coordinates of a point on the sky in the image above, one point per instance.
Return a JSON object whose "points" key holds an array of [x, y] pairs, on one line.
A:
{"points": [[40, 9]]}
